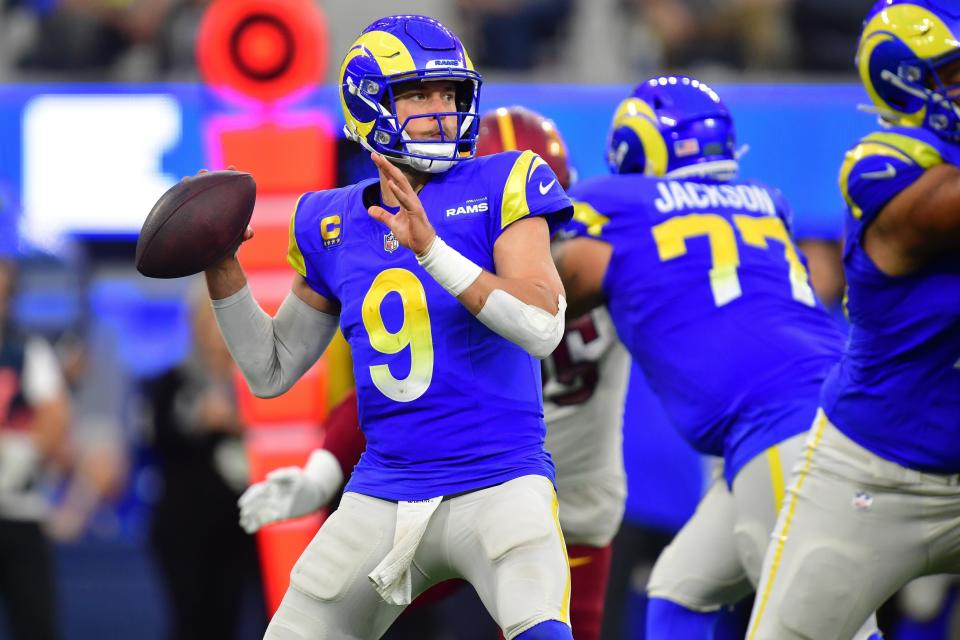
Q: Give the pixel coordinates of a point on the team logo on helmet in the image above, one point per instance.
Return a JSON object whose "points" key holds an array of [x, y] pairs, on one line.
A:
{"points": [[903, 47], [402, 49], [673, 126]]}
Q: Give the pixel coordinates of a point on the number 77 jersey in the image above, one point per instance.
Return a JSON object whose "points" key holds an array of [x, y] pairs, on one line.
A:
{"points": [[712, 299], [446, 405]]}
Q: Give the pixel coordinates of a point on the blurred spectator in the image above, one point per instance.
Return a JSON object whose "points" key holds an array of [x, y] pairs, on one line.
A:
{"points": [[155, 39], [745, 34], [89, 36], [99, 389], [207, 562], [34, 416], [827, 33], [513, 35], [177, 40]]}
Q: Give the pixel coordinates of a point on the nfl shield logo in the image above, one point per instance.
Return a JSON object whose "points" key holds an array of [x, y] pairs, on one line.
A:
{"points": [[390, 243], [862, 501]]}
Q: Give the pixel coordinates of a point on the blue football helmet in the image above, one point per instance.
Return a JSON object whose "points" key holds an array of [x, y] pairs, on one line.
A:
{"points": [[903, 46], [399, 49], [673, 126]]}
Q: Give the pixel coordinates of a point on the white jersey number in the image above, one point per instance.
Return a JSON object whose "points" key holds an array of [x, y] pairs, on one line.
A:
{"points": [[671, 238]]}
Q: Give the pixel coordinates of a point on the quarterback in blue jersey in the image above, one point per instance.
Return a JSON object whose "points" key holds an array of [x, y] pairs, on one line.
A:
{"points": [[439, 274], [584, 384], [876, 501], [712, 299]]}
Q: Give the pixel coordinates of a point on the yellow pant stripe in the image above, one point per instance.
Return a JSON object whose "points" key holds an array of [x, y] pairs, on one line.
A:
{"points": [[782, 537], [565, 608], [776, 476]]}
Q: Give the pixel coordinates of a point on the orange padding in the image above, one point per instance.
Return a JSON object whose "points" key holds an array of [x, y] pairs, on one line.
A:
{"points": [[270, 286], [271, 223], [281, 544], [306, 400], [285, 158]]}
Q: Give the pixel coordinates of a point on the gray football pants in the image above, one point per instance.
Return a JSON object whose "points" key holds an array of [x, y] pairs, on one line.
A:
{"points": [[854, 529], [505, 540], [716, 557]]}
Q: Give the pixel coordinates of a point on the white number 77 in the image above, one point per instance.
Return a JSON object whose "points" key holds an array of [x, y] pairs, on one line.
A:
{"points": [[671, 238]]}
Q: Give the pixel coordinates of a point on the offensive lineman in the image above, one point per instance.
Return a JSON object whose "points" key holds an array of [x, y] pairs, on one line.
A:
{"points": [[455, 481], [876, 500], [708, 293]]}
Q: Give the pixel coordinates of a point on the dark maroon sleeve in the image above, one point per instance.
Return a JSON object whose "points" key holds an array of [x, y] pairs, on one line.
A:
{"points": [[343, 437]]}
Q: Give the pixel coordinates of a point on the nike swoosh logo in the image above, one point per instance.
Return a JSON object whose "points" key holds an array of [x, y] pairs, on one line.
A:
{"points": [[547, 187], [888, 172], [579, 562]]}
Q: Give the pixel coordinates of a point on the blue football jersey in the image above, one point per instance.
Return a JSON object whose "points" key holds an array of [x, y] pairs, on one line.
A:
{"points": [[711, 297], [446, 404], [896, 391]]}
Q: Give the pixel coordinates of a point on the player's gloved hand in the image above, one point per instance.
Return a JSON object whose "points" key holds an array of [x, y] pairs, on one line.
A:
{"points": [[290, 492]]}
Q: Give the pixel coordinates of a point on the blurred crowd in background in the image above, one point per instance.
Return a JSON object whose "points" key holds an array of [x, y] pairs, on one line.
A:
{"points": [[541, 40]]}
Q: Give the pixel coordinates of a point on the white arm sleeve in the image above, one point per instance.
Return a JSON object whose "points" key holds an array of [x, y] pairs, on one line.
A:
{"points": [[273, 353], [530, 327], [537, 331]]}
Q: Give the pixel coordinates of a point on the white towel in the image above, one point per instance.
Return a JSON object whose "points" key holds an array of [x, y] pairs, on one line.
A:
{"points": [[391, 578]]}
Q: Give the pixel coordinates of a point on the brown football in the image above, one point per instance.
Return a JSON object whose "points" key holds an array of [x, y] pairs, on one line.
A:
{"points": [[195, 224]]}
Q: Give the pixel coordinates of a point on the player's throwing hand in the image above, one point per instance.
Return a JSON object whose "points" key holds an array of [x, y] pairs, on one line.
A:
{"points": [[410, 225]]}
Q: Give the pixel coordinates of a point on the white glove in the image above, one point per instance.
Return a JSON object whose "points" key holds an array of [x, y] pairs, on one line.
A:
{"points": [[18, 461], [291, 492]]}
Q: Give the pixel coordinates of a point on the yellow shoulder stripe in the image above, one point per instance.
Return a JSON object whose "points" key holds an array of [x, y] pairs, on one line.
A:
{"points": [[590, 217], [850, 160], [513, 205], [294, 255], [890, 145], [923, 154]]}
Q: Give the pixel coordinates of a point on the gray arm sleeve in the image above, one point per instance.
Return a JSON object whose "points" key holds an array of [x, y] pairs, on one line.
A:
{"points": [[273, 353]]}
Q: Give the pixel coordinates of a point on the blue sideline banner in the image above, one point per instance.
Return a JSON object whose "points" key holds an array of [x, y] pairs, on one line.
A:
{"points": [[91, 159]]}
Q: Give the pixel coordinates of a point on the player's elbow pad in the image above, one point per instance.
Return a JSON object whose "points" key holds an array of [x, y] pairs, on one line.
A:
{"points": [[273, 353], [536, 331]]}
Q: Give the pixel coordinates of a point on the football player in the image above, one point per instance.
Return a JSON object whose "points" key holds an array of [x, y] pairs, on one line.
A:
{"points": [[709, 294], [876, 499], [584, 383], [440, 277]]}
